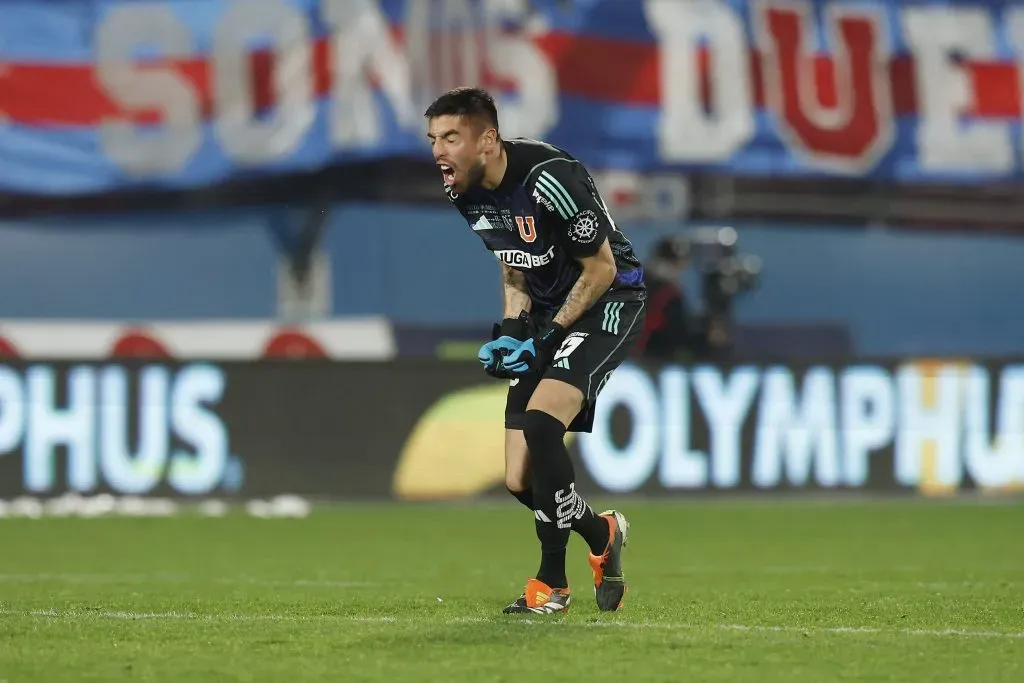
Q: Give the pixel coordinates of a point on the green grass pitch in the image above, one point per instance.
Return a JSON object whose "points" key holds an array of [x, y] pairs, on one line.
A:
{"points": [[739, 591]]}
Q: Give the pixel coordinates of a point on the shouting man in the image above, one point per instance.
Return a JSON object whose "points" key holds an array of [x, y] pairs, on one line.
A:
{"points": [[574, 298]]}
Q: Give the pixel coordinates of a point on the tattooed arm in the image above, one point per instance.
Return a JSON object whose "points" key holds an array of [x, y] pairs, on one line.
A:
{"points": [[516, 297], [597, 276]]}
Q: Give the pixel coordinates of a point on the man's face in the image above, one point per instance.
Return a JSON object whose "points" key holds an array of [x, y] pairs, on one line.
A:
{"points": [[458, 150]]}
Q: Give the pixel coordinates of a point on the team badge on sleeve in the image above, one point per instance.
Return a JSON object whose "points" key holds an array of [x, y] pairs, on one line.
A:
{"points": [[583, 227]]}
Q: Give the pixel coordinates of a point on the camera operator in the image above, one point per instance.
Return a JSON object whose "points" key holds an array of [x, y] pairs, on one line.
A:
{"points": [[671, 331]]}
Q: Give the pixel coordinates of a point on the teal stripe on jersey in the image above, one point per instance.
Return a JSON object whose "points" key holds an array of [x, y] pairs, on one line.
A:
{"points": [[552, 197], [561, 191]]}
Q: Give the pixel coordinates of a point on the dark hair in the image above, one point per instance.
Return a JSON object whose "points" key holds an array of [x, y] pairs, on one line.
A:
{"points": [[475, 104]]}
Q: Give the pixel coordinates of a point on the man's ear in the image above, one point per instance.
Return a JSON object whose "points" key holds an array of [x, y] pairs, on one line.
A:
{"points": [[490, 137]]}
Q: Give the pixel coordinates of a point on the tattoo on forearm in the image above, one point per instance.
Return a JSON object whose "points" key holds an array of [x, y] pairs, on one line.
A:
{"points": [[581, 297], [517, 297]]}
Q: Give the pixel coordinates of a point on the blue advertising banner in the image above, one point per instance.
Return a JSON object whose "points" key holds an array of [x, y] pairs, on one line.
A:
{"points": [[101, 95]]}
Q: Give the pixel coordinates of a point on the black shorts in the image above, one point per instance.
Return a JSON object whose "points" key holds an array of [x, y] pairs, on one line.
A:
{"points": [[593, 348]]}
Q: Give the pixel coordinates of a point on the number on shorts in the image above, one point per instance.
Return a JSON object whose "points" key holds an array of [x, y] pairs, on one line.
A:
{"points": [[569, 345]]}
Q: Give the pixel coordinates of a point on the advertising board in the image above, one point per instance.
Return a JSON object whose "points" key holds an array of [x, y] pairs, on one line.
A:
{"points": [[422, 429]]}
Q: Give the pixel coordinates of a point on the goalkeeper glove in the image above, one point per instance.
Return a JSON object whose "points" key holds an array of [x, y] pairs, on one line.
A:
{"points": [[506, 337], [537, 352]]}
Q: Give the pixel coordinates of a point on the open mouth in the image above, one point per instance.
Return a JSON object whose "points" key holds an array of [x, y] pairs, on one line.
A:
{"points": [[448, 173]]}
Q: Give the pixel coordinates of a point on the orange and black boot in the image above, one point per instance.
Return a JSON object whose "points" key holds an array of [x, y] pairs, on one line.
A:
{"points": [[539, 598], [609, 581]]}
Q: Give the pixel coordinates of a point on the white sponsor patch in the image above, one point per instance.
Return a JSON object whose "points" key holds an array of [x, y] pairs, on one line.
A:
{"points": [[524, 259]]}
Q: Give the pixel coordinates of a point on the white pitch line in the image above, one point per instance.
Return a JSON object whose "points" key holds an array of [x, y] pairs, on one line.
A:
{"points": [[767, 570], [177, 578], [653, 625]]}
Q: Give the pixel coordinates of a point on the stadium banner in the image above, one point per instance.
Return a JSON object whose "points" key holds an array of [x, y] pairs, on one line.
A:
{"points": [[433, 430], [197, 429], [101, 95]]}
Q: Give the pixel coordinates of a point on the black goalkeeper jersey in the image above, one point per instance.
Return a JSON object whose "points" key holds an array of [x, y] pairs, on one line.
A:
{"points": [[546, 213]]}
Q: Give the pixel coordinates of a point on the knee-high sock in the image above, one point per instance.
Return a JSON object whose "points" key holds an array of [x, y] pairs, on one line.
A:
{"points": [[559, 508], [524, 497]]}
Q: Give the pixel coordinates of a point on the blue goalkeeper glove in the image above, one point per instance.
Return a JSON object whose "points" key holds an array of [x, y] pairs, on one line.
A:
{"points": [[536, 353], [507, 336]]}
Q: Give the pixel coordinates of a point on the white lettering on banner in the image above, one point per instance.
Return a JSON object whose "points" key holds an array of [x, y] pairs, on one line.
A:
{"points": [[840, 118], [194, 389], [794, 435], [929, 427], [362, 44], [92, 426], [535, 109], [1011, 419], [362, 49], [681, 467], [144, 88], [133, 473], [443, 46], [626, 468], [449, 42], [852, 134], [992, 464], [72, 426], [286, 30], [687, 132], [933, 419], [945, 91], [725, 402], [867, 414]]}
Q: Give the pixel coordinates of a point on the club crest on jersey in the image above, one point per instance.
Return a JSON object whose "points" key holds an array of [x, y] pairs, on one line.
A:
{"points": [[543, 201], [583, 227]]}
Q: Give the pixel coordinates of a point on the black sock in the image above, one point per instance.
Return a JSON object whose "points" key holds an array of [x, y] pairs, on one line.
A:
{"points": [[524, 497], [554, 494], [552, 566]]}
